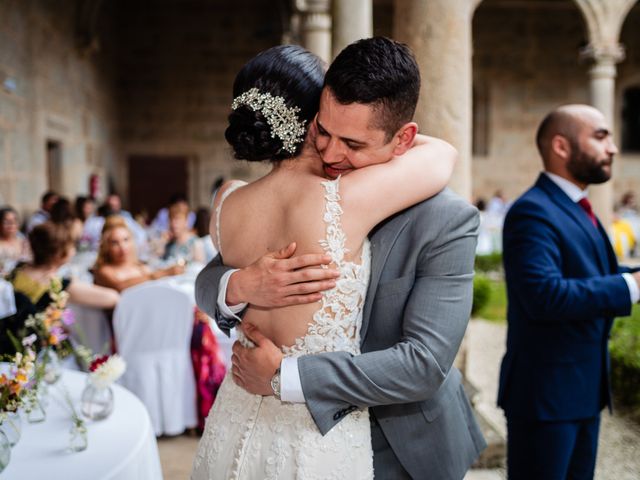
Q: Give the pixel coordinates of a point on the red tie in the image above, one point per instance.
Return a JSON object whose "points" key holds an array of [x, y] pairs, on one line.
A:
{"points": [[586, 206]]}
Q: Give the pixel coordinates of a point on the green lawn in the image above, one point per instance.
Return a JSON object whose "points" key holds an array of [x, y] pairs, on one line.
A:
{"points": [[496, 308]]}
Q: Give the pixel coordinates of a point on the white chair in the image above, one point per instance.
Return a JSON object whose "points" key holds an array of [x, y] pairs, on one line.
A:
{"points": [[91, 328], [153, 323]]}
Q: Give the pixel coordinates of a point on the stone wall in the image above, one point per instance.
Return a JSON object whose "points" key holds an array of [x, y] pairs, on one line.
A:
{"points": [[526, 62], [176, 65], [52, 91]]}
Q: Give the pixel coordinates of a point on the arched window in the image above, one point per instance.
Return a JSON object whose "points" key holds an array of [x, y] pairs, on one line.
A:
{"points": [[631, 119]]}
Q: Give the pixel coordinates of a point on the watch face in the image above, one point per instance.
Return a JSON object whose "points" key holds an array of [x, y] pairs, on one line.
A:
{"points": [[275, 384]]}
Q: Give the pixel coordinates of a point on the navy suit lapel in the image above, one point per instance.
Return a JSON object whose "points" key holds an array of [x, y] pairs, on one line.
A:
{"points": [[596, 236], [382, 239]]}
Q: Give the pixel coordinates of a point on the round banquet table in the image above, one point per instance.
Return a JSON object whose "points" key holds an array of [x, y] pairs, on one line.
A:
{"points": [[121, 447]]}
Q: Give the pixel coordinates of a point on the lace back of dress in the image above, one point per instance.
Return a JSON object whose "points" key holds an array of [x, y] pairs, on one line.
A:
{"points": [[336, 324]]}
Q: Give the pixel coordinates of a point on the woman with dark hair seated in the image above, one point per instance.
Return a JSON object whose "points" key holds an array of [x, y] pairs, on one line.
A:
{"points": [[62, 213], [52, 246]]}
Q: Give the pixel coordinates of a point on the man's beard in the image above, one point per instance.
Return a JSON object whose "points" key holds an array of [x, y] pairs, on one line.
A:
{"points": [[588, 169]]}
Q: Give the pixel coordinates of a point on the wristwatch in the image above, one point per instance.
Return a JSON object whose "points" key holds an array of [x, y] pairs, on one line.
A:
{"points": [[275, 384]]}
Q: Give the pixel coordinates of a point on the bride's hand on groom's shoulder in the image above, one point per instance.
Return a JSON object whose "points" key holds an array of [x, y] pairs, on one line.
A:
{"points": [[278, 279], [252, 368]]}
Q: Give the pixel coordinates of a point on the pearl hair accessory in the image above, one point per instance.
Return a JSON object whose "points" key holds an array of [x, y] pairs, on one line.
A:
{"points": [[283, 120]]}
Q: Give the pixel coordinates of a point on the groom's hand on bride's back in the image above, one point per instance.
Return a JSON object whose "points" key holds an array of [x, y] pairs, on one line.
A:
{"points": [[252, 368], [278, 279]]}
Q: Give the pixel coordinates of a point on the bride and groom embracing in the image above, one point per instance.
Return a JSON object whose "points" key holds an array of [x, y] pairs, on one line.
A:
{"points": [[343, 367]]}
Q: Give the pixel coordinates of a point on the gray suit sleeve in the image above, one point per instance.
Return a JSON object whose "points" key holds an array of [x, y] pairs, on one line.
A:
{"points": [[207, 286], [433, 324]]}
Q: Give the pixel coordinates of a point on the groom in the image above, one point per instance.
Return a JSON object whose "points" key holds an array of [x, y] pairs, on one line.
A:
{"points": [[418, 302]]}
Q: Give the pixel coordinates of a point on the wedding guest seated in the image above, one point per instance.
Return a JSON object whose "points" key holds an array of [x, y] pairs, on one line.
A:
{"points": [[203, 218], [52, 246], [160, 224], [62, 213], [42, 215], [93, 226], [117, 265], [14, 247], [183, 245]]}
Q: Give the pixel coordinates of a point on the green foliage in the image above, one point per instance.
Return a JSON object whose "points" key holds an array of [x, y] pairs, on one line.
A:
{"points": [[625, 340], [489, 263], [481, 293], [625, 361]]}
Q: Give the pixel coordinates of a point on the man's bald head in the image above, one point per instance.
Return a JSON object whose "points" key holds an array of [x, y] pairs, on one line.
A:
{"points": [[576, 143], [565, 121]]}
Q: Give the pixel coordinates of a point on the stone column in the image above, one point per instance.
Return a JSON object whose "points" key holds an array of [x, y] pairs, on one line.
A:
{"points": [[315, 26], [604, 20], [352, 20], [439, 33]]}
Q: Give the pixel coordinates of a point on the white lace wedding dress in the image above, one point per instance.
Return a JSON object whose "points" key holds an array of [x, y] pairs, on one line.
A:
{"points": [[251, 437]]}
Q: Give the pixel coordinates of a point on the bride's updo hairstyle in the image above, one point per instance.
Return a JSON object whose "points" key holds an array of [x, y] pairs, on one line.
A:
{"points": [[276, 95]]}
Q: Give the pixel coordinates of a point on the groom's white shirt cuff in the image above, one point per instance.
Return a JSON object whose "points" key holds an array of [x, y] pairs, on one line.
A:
{"points": [[634, 291], [290, 385], [226, 310]]}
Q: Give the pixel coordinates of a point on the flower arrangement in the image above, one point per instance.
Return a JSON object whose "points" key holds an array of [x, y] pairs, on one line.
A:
{"points": [[15, 387], [50, 325], [106, 369]]}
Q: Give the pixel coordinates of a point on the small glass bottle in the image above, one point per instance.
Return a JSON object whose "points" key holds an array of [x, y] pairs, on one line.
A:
{"points": [[97, 402], [78, 440]]}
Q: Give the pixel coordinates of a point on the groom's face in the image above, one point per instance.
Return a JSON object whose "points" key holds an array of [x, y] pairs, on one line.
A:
{"points": [[347, 137]]}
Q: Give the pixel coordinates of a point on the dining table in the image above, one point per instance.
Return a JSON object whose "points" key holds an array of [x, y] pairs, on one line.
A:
{"points": [[120, 447]]}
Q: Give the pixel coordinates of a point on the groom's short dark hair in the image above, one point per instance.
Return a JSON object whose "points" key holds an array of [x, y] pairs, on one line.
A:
{"points": [[380, 72]]}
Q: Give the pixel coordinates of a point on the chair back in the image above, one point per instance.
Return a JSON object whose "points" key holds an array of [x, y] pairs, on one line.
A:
{"points": [[153, 323]]}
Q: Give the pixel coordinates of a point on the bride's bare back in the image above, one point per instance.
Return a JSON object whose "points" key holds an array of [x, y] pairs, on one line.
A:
{"points": [[287, 205]]}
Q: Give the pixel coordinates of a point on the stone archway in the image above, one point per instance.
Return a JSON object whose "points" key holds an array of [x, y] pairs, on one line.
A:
{"points": [[525, 63]]}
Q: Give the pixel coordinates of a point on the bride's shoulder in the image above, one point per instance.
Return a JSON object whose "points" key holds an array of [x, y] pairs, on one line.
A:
{"points": [[225, 190]]}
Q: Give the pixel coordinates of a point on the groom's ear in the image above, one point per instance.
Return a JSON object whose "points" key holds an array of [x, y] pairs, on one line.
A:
{"points": [[405, 137]]}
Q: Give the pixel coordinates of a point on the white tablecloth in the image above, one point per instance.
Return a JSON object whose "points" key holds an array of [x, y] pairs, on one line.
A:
{"points": [[121, 447]]}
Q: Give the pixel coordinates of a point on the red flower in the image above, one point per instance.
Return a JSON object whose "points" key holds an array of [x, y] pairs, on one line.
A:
{"points": [[97, 362]]}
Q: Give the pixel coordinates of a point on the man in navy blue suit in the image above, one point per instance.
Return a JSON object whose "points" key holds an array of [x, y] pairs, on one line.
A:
{"points": [[564, 288]]}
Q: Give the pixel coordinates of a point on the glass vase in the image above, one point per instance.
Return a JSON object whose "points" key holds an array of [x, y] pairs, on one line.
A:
{"points": [[12, 427], [97, 402], [35, 411], [78, 437], [5, 451], [50, 363]]}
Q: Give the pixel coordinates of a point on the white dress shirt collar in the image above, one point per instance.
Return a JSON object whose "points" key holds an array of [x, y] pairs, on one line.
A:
{"points": [[571, 189]]}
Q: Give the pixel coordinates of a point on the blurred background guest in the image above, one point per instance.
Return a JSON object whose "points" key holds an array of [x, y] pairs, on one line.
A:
{"points": [[117, 265], [52, 246], [85, 208], [42, 214], [14, 247], [93, 226], [623, 237], [62, 213], [160, 224], [183, 245], [203, 218]]}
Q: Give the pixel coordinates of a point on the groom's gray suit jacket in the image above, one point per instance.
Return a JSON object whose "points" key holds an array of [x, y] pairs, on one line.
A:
{"points": [[416, 312]]}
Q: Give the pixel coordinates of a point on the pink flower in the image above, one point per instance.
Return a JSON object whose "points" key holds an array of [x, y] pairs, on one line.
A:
{"points": [[67, 317]]}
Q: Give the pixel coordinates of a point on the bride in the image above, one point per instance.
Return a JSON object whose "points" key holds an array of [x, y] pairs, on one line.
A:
{"points": [[276, 97]]}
